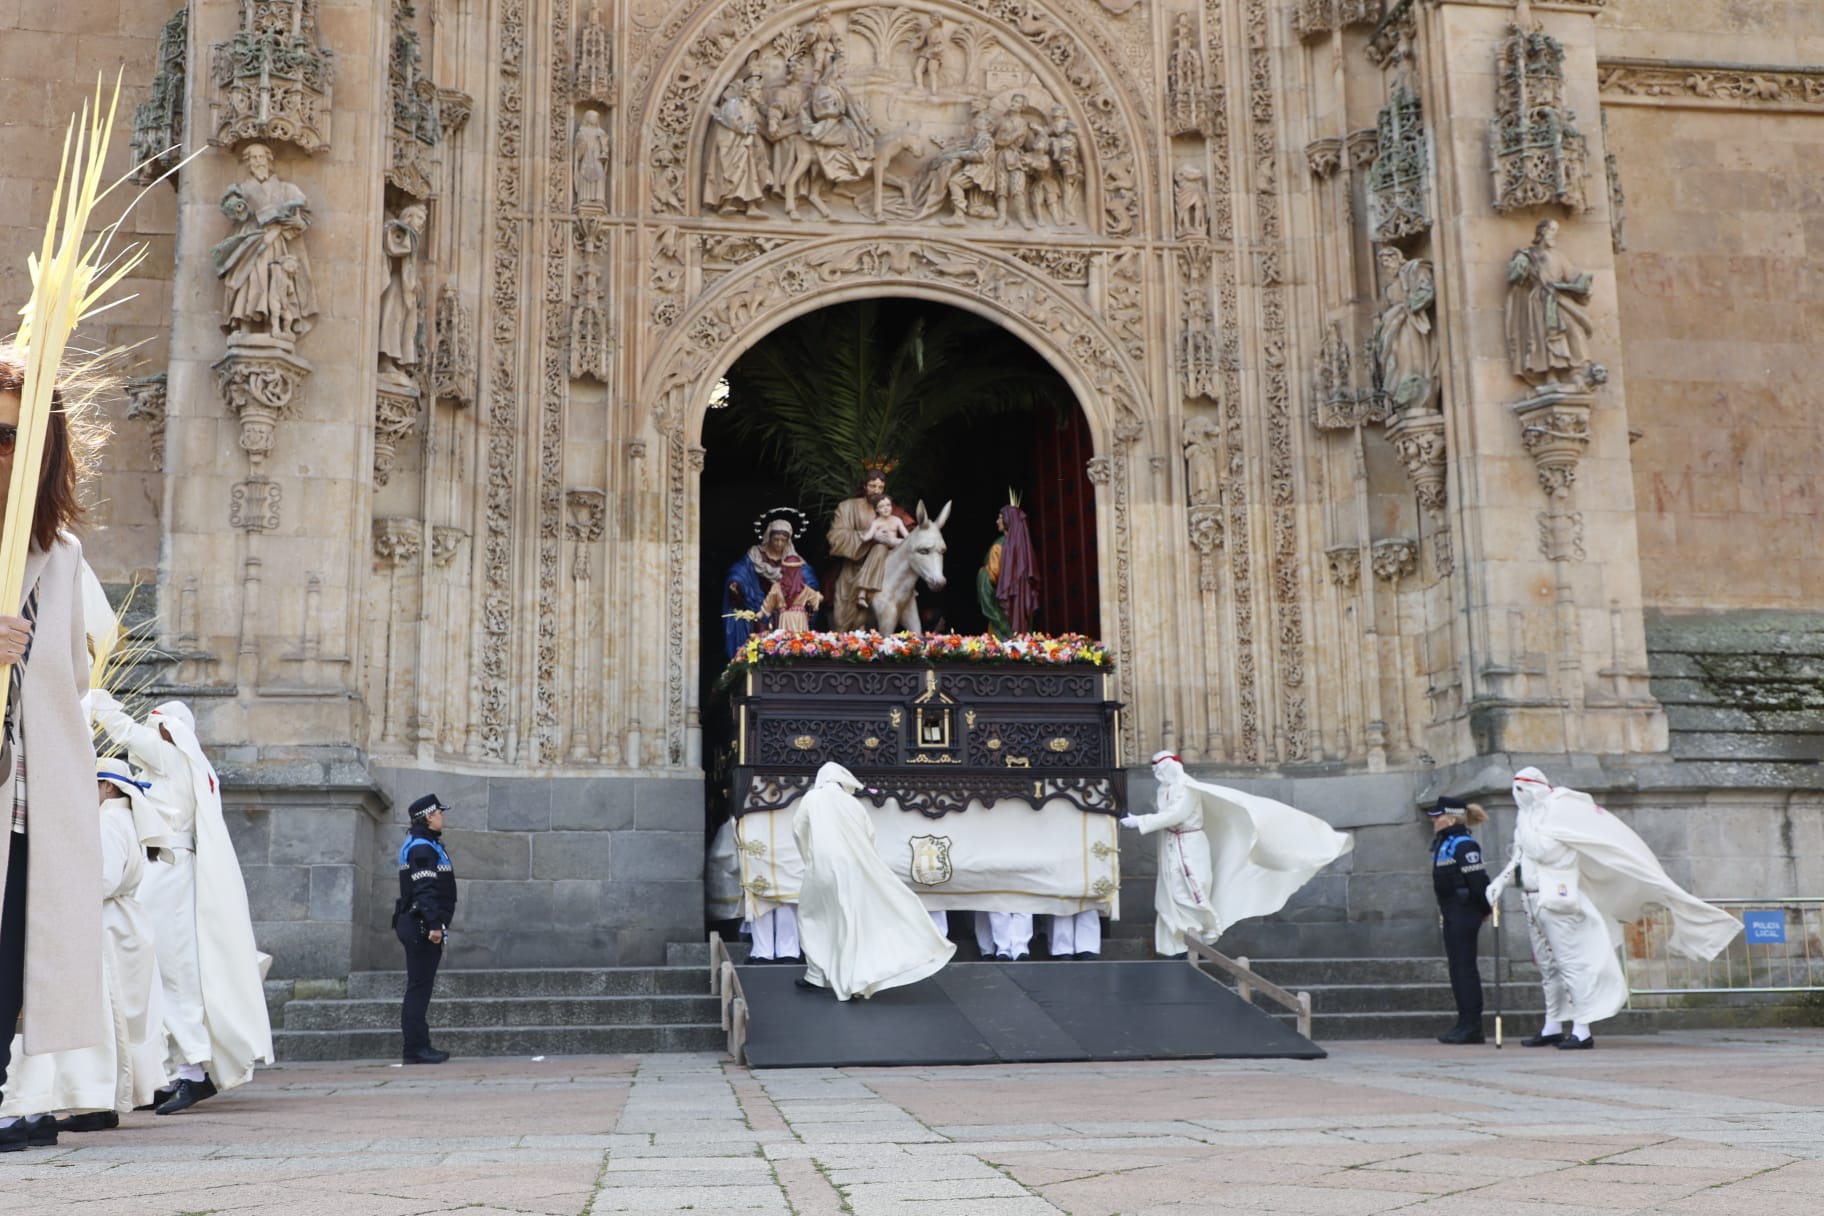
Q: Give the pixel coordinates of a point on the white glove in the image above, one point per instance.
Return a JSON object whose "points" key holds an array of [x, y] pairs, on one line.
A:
{"points": [[1500, 882], [1130, 821], [98, 701]]}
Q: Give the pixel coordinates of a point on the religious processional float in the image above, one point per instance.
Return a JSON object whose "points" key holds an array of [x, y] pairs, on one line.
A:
{"points": [[992, 766]]}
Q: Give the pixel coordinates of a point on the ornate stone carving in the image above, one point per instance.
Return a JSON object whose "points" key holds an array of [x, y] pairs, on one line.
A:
{"points": [[1360, 147], [395, 422], [253, 505], [1198, 372], [1699, 83], [1399, 201], [1325, 156], [158, 121], [1206, 538], [272, 78], [587, 515], [1555, 429], [1064, 265], [1393, 559], [417, 116], [1561, 536], [590, 342], [1405, 345], [453, 350], [1314, 19], [397, 542], [1618, 200], [1443, 552], [1547, 323], [802, 109], [592, 156], [1345, 565], [146, 399], [268, 297], [453, 109], [554, 392], [446, 543], [402, 301], [1336, 404], [595, 58], [261, 390], [1391, 43], [1537, 154], [1187, 96], [1418, 440], [1202, 454]]}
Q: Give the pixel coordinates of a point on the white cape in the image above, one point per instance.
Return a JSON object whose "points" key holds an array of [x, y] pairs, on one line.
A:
{"points": [[1261, 851], [121, 1072], [862, 930], [1622, 877]]}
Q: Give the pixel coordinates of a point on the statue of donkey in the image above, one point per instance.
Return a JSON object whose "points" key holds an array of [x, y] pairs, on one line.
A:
{"points": [[919, 558]]}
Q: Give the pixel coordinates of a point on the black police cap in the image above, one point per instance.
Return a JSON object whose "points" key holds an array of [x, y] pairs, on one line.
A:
{"points": [[1447, 805], [427, 804]]}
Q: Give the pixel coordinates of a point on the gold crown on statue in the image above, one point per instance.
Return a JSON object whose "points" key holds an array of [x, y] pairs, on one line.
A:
{"points": [[878, 464], [1013, 497]]}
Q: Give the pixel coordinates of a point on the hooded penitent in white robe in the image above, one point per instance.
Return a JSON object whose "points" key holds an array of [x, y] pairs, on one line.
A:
{"points": [[1586, 875], [1225, 855], [215, 1004], [122, 1071], [861, 928]]}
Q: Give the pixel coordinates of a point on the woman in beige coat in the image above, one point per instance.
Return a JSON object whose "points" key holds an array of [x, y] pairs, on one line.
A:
{"points": [[50, 920]]}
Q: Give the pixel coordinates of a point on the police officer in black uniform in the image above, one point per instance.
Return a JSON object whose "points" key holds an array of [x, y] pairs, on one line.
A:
{"points": [[421, 919], [1460, 879]]}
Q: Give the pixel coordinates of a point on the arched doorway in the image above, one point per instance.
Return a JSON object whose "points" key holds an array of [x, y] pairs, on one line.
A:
{"points": [[1024, 436]]}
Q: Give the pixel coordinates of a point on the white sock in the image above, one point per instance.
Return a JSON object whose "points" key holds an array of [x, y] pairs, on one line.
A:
{"points": [[190, 1072], [1580, 1031], [1552, 1026]]}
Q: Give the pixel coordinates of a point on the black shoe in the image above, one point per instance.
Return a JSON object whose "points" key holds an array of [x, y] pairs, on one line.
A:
{"points": [[160, 1096], [801, 982], [1543, 1040], [40, 1131], [94, 1121], [428, 1055], [1084, 956], [1458, 1036], [188, 1094], [13, 1139], [1576, 1044]]}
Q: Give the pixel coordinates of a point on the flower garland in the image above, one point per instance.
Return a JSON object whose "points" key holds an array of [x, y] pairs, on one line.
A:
{"points": [[866, 646]]}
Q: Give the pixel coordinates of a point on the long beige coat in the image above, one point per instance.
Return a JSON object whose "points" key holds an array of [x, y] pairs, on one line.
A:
{"points": [[64, 1010]]}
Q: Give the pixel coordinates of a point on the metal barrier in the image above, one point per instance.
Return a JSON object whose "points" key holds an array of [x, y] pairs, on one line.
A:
{"points": [[1246, 981], [1780, 949], [725, 983]]}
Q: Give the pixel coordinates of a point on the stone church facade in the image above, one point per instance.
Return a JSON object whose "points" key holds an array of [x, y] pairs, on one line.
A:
{"points": [[1446, 365]]}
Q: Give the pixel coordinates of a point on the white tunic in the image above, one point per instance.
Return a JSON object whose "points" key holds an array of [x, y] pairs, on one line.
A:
{"points": [[121, 1072], [1181, 900], [861, 928]]}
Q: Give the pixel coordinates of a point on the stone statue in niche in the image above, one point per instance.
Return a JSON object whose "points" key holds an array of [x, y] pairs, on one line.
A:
{"points": [[268, 299], [928, 52], [1186, 103], [1190, 204], [1547, 319], [738, 171], [1202, 441], [1404, 345], [401, 330], [591, 168]]}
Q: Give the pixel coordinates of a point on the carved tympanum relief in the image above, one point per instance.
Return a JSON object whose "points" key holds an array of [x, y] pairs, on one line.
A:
{"points": [[272, 79], [1537, 154], [900, 113]]}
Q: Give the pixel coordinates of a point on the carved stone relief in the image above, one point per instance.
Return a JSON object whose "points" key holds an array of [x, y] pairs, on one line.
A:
{"points": [[1618, 199], [1555, 429], [158, 121], [1537, 154], [1731, 85], [395, 422], [1198, 373], [1547, 320], [446, 543], [987, 130], [595, 57], [269, 300], [1393, 559], [453, 350], [261, 390], [417, 116], [1418, 440], [397, 542], [1345, 565], [1561, 536], [1399, 196], [146, 400], [272, 79], [590, 340], [591, 169], [1313, 19], [1190, 204], [1187, 97], [253, 505]]}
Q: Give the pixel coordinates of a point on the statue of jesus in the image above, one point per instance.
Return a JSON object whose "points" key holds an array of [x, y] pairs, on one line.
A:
{"points": [[864, 558]]}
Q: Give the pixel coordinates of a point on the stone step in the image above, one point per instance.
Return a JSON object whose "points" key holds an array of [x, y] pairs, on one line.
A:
{"points": [[298, 1045], [1327, 999], [1343, 1027], [1296, 973], [506, 1012], [1788, 747], [545, 982]]}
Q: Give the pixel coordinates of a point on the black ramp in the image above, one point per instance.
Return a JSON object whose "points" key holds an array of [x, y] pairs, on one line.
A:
{"points": [[985, 1013], [1157, 1011]]}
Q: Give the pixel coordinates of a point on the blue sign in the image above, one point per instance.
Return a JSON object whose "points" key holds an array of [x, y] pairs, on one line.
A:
{"points": [[1765, 928]]}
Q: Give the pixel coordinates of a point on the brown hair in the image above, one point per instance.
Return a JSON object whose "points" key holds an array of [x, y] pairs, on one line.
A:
{"points": [[68, 448], [1474, 815]]}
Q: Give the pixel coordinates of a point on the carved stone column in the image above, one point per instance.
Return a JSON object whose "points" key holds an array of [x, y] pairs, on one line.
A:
{"points": [[395, 422]]}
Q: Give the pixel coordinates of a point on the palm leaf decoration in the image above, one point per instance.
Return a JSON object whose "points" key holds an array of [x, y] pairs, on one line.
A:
{"points": [[857, 381]]}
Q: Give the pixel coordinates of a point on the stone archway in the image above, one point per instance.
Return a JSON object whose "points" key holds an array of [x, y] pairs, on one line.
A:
{"points": [[746, 305]]}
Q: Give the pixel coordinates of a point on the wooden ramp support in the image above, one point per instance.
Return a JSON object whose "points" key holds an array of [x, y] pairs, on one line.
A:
{"points": [[1197, 953], [725, 982]]}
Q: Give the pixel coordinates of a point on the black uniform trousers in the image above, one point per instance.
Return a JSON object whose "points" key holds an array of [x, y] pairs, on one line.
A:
{"points": [[12, 948], [421, 959], [1462, 926]]}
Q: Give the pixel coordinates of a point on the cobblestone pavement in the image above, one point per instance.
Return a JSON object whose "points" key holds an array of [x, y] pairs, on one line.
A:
{"points": [[1705, 1123]]}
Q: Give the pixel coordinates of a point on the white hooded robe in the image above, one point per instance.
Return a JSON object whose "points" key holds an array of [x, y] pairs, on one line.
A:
{"points": [[861, 928]]}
